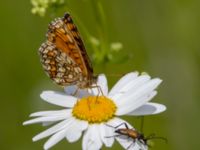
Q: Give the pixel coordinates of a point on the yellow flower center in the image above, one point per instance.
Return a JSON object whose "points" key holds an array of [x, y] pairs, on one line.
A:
{"points": [[94, 109]]}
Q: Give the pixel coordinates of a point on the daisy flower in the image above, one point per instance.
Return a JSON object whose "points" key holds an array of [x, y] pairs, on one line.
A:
{"points": [[90, 111]]}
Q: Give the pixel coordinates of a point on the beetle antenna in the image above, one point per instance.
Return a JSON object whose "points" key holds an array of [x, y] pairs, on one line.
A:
{"points": [[123, 123], [110, 126]]}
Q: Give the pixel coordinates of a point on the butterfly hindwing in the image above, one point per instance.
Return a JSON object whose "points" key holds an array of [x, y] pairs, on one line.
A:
{"points": [[58, 66]]}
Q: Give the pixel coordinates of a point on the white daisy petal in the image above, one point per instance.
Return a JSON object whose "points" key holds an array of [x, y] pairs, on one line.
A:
{"points": [[102, 86], [95, 138], [125, 109], [123, 81], [59, 126], [148, 109], [81, 125], [140, 146], [116, 123], [47, 123], [135, 93], [58, 98], [102, 82], [48, 116], [74, 90], [85, 140], [70, 90], [125, 142], [106, 134], [138, 97], [45, 119], [51, 113], [75, 131], [131, 86], [129, 144], [57, 137], [91, 139], [73, 135]]}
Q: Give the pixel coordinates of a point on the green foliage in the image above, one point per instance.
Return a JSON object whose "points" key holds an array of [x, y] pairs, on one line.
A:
{"points": [[40, 6]]}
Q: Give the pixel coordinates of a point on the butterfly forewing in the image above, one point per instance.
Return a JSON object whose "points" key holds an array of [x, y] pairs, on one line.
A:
{"points": [[75, 34], [63, 55]]}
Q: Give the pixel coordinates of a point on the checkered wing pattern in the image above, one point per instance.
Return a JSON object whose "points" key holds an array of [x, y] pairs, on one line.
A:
{"points": [[63, 55]]}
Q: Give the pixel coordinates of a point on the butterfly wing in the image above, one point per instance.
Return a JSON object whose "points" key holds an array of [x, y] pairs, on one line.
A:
{"points": [[79, 43], [58, 66], [71, 63]]}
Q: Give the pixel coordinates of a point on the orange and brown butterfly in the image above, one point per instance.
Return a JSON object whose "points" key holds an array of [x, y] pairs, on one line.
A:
{"points": [[64, 57]]}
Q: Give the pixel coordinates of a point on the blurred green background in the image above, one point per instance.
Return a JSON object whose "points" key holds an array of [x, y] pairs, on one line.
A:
{"points": [[162, 38]]}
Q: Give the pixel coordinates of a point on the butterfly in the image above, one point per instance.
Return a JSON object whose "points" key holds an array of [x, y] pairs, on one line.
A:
{"points": [[64, 57]]}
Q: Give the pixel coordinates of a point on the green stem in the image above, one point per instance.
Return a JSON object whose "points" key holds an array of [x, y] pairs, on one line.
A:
{"points": [[102, 28]]}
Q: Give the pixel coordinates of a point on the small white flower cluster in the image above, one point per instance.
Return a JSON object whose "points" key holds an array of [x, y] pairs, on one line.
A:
{"points": [[40, 6], [109, 54], [131, 95]]}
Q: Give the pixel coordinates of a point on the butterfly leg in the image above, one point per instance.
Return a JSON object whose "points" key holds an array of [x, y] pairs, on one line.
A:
{"points": [[76, 92], [99, 91]]}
